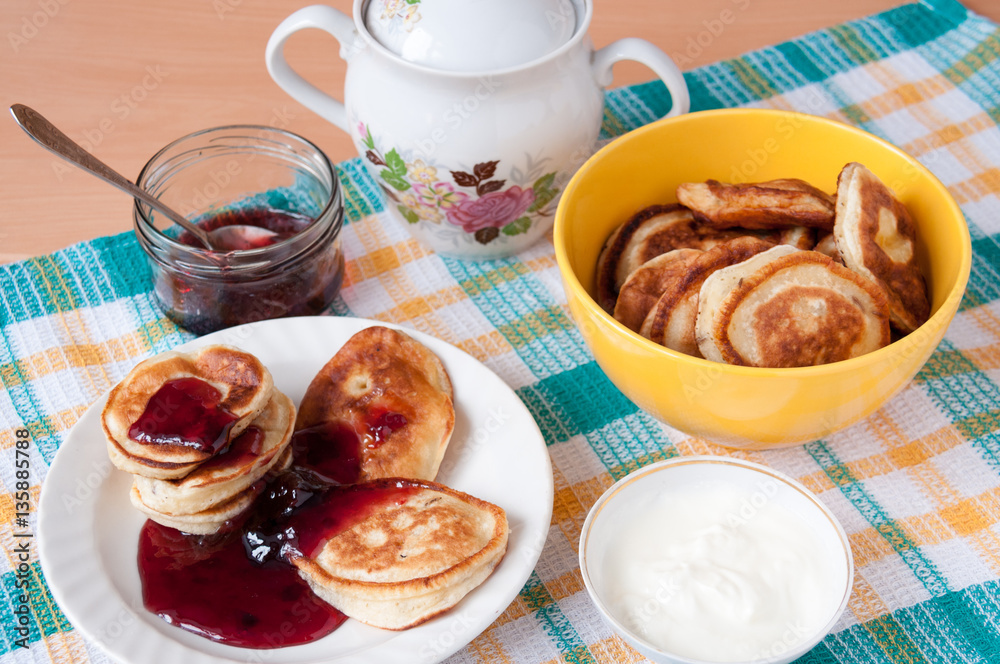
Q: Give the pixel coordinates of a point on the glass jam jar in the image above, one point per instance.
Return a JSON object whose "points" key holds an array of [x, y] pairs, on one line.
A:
{"points": [[252, 175]]}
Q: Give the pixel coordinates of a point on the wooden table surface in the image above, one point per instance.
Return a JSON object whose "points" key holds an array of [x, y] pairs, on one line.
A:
{"points": [[125, 78]]}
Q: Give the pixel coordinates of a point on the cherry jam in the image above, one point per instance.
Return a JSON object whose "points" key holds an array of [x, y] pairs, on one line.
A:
{"points": [[242, 451], [332, 450], [381, 424], [238, 587], [263, 177], [213, 589], [185, 412]]}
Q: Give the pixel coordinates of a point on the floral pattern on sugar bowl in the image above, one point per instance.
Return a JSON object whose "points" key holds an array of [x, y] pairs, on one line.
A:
{"points": [[473, 202], [397, 14]]}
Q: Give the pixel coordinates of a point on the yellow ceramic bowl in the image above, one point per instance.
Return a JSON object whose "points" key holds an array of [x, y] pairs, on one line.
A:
{"points": [[750, 407]]}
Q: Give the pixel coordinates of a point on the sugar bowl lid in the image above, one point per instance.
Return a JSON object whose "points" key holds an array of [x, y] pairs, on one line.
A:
{"points": [[471, 35]]}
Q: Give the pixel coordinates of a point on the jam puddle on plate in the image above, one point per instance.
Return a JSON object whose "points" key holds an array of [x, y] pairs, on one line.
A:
{"points": [[237, 587]]}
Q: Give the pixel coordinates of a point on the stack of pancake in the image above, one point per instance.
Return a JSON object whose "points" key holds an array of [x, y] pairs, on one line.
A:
{"points": [[396, 563], [183, 485], [769, 274]]}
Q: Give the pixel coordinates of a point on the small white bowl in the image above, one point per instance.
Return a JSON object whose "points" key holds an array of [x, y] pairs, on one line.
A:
{"points": [[630, 530]]}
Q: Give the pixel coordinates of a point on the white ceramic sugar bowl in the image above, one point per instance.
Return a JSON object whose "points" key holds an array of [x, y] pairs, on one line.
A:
{"points": [[471, 115]]}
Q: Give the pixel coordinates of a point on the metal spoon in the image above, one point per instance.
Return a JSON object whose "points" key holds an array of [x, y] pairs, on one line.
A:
{"points": [[225, 238]]}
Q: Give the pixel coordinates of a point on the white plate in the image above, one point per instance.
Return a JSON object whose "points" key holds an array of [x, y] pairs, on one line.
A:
{"points": [[88, 531]]}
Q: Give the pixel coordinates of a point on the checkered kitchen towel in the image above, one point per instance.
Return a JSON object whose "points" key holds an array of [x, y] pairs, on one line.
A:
{"points": [[916, 486]]}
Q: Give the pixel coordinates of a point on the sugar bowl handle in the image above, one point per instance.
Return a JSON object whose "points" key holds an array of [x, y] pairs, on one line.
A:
{"points": [[640, 50], [330, 20]]}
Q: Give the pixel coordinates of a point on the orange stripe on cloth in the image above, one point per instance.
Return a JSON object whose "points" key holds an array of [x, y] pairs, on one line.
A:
{"points": [[79, 355], [76, 356], [949, 133], [45, 425], [571, 504], [985, 359], [74, 328], [903, 454], [488, 648], [69, 647], [693, 445], [61, 421], [566, 585], [901, 93], [989, 321], [485, 346], [941, 130], [970, 519], [615, 651], [865, 604], [514, 611], [8, 512], [420, 305]]}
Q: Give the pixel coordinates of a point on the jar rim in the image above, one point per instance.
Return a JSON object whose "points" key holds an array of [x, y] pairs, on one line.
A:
{"points": [[152, 234]]}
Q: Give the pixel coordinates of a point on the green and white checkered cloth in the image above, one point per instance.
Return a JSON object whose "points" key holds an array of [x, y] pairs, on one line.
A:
{"points": [[916, 486]]}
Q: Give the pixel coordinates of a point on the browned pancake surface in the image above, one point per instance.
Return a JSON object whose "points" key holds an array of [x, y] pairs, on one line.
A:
{"points": [[651, 232], [778, 203], [380, 370], [671, 321], [410, 560], [645, 286], [801, 309], [877, 238]]}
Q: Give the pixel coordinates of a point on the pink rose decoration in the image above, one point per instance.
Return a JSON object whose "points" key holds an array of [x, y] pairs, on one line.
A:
{"points": [[495, 209]]}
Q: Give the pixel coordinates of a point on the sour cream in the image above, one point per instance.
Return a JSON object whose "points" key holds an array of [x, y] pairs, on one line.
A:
{"points": [[716, 572]]}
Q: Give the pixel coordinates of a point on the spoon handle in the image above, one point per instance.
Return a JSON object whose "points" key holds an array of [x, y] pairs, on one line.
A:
{"points": [[49, 137]]}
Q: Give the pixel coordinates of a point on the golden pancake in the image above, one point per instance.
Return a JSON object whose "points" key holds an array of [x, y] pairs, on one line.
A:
{"points": [[827, 245], [651, 232], [250, 456], [671, 321], [877, 239], [407, 560], [772, 204], [242, 383], [793, 310], [206, 522], [644, 286], [394, 393], [714, 290], [799, 237], [221, 516]]}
